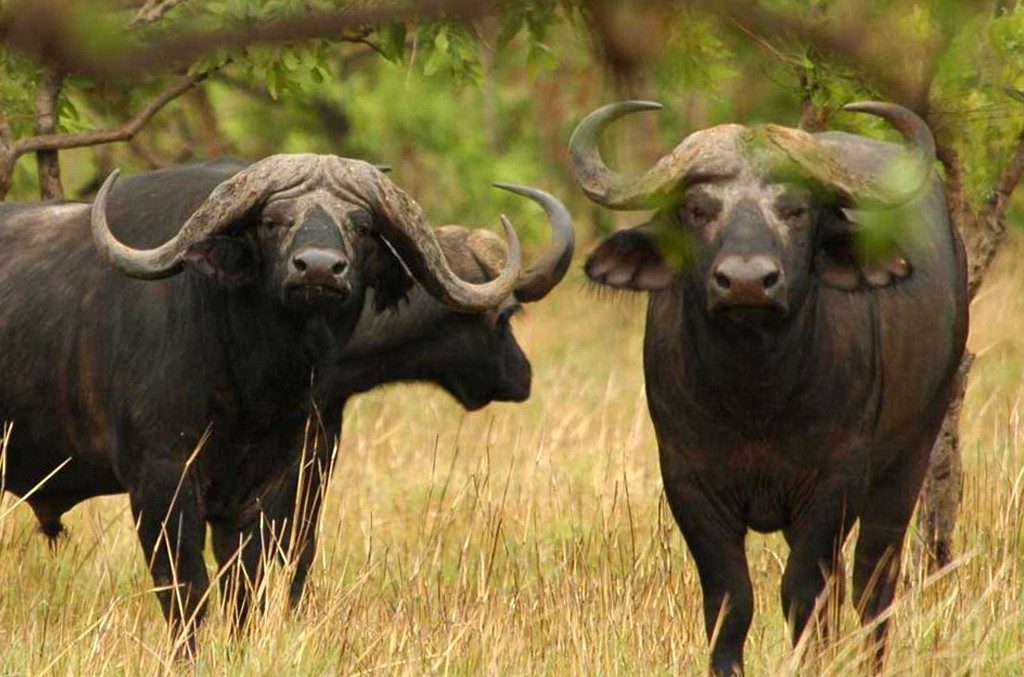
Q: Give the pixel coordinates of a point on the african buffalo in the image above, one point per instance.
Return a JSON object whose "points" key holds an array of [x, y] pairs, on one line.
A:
{"points": [[474, 356], [796, 380], [187, 390]]}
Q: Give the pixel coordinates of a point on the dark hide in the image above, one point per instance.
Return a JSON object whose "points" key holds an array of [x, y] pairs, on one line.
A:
{"points": [[806, 418], [129, 378], [124, 375], [473, 356]]}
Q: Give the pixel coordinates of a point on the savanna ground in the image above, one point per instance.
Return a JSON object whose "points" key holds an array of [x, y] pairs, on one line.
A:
{"points": [[531, 538]]}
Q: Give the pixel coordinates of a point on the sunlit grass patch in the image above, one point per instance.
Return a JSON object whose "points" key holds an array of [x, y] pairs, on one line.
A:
{"points": [[532, 538]]}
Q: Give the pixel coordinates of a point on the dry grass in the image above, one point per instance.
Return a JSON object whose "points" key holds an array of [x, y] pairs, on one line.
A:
{"points": [[530, 538]]}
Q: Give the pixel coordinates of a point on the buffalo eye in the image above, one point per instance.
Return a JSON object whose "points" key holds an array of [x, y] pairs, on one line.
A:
{"points": [[793, 206], [273, 221], [700, 210], [361, 222], [793, 212]]}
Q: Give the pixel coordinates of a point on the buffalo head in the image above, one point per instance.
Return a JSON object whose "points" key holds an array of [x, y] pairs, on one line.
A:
{"points": [[302, 226], [474, 356], [749, 217]]}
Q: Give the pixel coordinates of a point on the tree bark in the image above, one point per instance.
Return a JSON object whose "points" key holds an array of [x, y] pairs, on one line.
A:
{"points": [[943, 485], [983, 234], [7, 156], [48, 160]]}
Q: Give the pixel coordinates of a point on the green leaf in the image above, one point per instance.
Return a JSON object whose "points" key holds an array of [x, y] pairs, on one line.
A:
{"points": [[441, 40], [391, 39]]}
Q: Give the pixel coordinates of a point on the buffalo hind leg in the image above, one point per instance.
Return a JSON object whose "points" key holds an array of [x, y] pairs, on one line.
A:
{"points": [[172, 534]]}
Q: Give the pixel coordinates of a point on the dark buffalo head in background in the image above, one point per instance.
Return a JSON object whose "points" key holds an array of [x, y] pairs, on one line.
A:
{"points": [[474, 356], [312, 229], [747, 216]]}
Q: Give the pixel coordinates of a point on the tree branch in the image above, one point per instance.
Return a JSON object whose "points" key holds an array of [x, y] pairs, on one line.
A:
{"points": [[151, 12], [843, 43], [1007, 181], [47, 160], [983, 231], [40, 29], [122, 133]]}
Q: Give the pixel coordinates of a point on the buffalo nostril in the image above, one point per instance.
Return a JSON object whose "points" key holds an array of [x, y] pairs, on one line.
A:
{"points": [[299, 263], [339, 267], [722, 281], [770, 280]]}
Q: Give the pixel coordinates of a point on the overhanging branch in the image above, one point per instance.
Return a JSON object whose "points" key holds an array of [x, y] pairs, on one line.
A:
{"points": [[39, 29], [121, 133], [151, 12]]}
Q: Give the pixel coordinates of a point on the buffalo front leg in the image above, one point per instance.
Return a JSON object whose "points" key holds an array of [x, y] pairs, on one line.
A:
{"points": [[814, 570], [308, 504], [307, 498], [282, 533], [240, 554], [285, 529], [721, 560], [172, 534], [883, 525]]}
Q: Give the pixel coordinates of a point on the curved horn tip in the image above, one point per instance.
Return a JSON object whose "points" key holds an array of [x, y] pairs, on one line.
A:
{"points": [[514, 249], [870, 106], [620, 108], [910, 124], [107, 185], [639, 104], [384, 169], [515, 188]]}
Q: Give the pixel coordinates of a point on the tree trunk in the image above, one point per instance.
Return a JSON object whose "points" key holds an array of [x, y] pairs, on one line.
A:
{"points": [[48, 161], [6, 172], [943, 485], [983, 233]]}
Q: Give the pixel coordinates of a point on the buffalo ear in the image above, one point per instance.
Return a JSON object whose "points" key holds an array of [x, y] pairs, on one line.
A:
{"points": [[383, 271], [841, 264], [629, 260], [231, 260]]}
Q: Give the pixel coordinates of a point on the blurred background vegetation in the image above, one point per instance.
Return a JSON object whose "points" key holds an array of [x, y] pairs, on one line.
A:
{"points": [[464, 94]]}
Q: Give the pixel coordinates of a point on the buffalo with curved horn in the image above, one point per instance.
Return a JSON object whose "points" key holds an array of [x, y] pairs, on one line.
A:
{"points": [[796, 381], [189, 387], [474, 356]]}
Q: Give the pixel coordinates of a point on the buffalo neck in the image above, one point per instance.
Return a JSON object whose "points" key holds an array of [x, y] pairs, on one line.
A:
{"points": [[267, 357], [756, 371], [352, 375], [386, 347]]}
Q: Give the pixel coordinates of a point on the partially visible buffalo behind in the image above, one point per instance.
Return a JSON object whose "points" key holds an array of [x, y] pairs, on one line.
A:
{"points": [[796, 381], [188, 388]]}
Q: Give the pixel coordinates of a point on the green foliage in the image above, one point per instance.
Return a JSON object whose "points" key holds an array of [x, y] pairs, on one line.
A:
{"points": [[18, 81], [451, 51], [455, 106], [979, 69]]}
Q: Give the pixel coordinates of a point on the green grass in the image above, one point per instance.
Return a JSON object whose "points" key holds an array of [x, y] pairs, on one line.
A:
{"points": [[531, 538]]}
